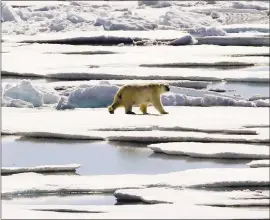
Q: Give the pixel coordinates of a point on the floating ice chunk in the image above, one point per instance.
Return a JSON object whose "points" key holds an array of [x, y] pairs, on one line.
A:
{"points": [[259, 163], [212, 150], [194, 197], [26, 92], [40, 169], [8, 13], [92, 96]]}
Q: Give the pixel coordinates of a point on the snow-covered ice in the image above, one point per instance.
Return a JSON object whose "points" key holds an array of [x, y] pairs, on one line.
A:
{"points": [[124, 65], [212, 178], [28, 95], [213, 150], [40, 169], [159, 211], [259, 163], [63, 16]]}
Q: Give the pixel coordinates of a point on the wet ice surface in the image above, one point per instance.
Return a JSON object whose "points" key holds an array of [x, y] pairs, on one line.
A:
{"points": [[117, 158]]}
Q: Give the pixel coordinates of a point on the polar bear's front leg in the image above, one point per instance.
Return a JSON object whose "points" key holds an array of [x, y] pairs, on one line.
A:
{"points": [[158, 105], [128, 109]]}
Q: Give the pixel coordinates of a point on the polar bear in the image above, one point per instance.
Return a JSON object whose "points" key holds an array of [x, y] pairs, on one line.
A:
{"points": [[139, 94]]}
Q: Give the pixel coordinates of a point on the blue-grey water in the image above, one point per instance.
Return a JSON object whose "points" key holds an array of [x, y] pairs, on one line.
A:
{"points": [[96, 158]]}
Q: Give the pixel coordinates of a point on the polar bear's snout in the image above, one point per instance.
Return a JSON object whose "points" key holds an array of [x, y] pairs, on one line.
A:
{"points": [[167, 87]]}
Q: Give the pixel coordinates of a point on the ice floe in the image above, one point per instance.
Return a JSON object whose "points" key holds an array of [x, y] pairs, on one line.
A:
{"points": [[211, 124], [259, 163], [105, 38], [40, 169], [201, 197], [218, 178], [213, 150], [235, 41]]}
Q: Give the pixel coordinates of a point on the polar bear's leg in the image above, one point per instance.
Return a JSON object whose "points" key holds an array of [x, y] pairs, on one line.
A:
{"points": [[158, 105], [143, 108], [128, 109]]}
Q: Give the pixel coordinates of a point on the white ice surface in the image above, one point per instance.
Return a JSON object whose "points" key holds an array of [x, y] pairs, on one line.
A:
{"points": [[117, 36], [212, 150], [41, 169], [198, 197], [159, 211], [181, 124], [259, 163], [125, 63], [32, 183]]}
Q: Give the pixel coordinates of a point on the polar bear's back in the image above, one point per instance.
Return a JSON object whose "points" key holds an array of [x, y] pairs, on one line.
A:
{"points": [[138, 93]]}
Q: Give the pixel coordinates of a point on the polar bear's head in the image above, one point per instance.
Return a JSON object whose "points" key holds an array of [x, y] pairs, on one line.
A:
{"points": [[164, 87]]}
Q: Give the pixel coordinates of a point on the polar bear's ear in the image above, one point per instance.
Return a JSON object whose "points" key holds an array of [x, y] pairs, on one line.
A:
{"points": [[167, 87]]}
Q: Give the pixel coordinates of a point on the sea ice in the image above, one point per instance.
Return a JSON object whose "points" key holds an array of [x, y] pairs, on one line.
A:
{"points": [[159, 211], [198, 197], [259, 163], [40, 169], [211, 124], [213, 178], [235, 40], [213, 150]]}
